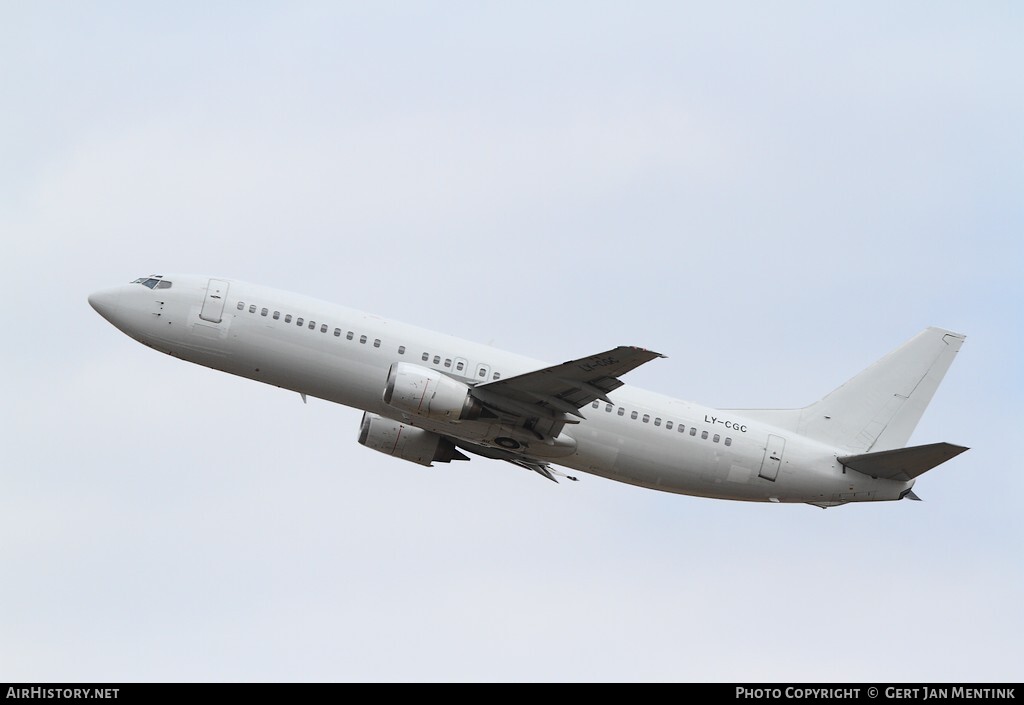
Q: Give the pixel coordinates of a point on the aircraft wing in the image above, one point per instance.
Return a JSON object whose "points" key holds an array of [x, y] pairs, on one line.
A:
{"points": [[553, 392]]}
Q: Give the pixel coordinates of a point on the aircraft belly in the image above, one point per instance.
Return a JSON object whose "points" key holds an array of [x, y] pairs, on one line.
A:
{"points": [[596, 450], [657, 467], [708, 471]]}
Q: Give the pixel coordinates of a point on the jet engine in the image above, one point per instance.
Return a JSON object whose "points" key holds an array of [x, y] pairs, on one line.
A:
{"points": [[406, 442], [423, 392]]}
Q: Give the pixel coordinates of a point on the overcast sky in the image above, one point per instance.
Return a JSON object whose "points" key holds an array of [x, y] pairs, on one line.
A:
{"points": [[772, 194]]}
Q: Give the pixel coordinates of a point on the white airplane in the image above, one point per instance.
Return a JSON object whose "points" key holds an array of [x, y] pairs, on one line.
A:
{"points": [[427, 396]]}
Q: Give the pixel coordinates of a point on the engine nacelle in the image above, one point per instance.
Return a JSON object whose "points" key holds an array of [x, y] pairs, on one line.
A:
{"points": [[406, 442], [423, 392]]}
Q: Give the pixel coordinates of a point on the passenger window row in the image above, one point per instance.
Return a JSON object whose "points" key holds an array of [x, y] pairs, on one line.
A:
{"points": [[668, 425], [458, 365]]}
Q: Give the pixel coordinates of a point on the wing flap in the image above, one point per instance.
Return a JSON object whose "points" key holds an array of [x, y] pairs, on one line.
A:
{"points": [[903, 463], [542, 468]]}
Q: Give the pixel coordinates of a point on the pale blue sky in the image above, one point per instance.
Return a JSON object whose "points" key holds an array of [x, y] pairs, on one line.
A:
{"points": [[772, 195]]}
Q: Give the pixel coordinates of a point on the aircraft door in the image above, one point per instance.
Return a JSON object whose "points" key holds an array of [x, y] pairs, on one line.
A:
{"points": [[213, 304], [772, 458], [482, 371]]}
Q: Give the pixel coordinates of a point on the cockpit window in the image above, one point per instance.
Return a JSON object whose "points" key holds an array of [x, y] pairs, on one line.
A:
{"points": [[155, 281]]}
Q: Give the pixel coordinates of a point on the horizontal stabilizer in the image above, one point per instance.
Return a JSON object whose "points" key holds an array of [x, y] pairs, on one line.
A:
{"points": [[904, 463]]}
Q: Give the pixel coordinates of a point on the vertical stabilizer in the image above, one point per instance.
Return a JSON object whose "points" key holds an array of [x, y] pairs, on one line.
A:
{"points": [[879, 408]]}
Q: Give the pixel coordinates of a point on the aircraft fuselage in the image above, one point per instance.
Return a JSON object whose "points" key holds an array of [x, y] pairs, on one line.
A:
{"points": [[344, 356]]}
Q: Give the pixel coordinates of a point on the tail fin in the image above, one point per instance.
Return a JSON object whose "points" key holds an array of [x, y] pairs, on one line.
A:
{"points": [[879, 408]]}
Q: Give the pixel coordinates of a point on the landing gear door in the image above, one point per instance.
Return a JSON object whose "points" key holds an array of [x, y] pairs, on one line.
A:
{"points": [[213, 304], [772, 457]]}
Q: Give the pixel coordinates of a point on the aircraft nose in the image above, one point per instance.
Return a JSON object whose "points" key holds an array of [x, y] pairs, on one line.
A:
{"points": [[106, 302]]}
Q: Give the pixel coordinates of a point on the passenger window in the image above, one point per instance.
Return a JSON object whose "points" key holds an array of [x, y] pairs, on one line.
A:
{"points": [[621, 411], [264, 312], [425, 357], [483, 372], [668, 425], [376, 342], [288, 318], [704, 435], [323, 328], [312, 325], [447, 362], [716, 438], [693, 430], [596, 404], [608, 408], [277, 315], [657, 422], [362, 339], [633, 415], [647, 418], [496, 375], [252, 308], [682, 428], [437, 359], [728, 441], [401, 350], [337, 332], [459, 365], [350, 335], [299, 321], [241, 305]]}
